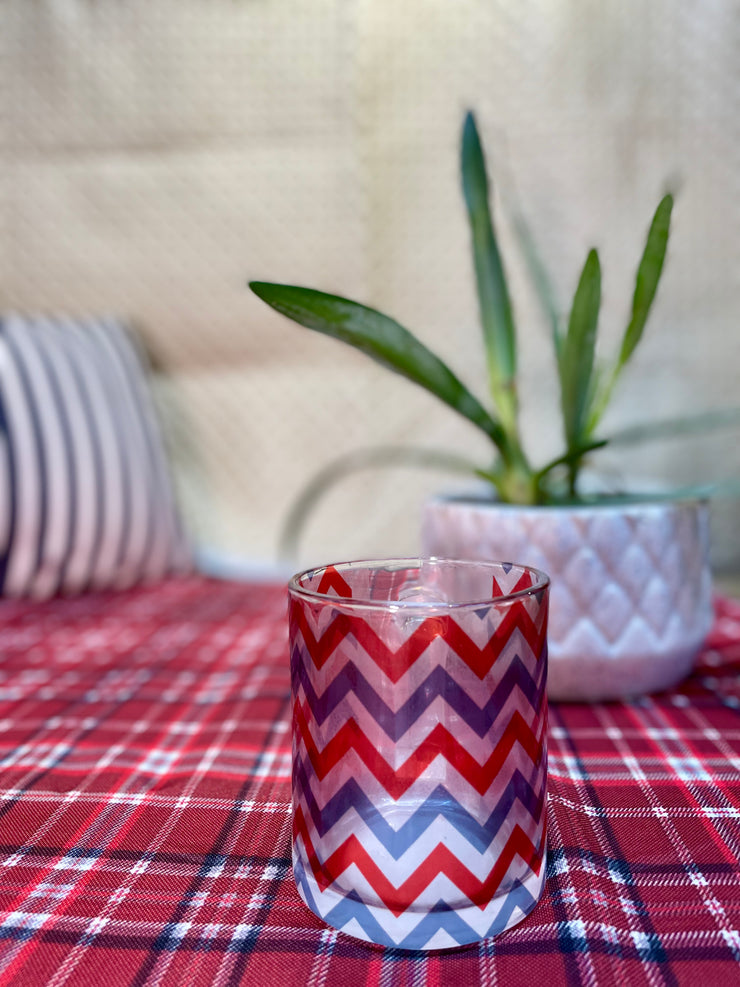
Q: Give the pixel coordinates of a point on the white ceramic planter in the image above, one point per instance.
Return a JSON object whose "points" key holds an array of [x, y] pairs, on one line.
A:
{"points": [[630, 602]]}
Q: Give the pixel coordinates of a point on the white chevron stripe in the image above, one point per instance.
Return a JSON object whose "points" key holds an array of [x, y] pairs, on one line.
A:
{"points": [[397, 928], [438, 712], [479, 806], [395, 627], [440, 772], [440, 832], [438, 653]]}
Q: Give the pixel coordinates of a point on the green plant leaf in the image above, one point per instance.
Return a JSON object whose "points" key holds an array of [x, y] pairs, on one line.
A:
{"points": [[352, 462], [385, 341], [648, 277], [493, 295], [540, 279], [577, 360], [649, 272], [728, 488], [672, 428], [570, 457]]}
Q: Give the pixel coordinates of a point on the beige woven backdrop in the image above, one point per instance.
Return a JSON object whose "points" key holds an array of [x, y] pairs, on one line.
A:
{"points": [[158, 153]]}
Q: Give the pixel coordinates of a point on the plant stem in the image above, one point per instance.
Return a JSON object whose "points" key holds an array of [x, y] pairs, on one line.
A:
{"points": [[516, 482]]}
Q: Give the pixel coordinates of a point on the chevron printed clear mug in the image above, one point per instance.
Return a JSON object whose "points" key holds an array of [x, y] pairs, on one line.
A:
{"points": [[419, 747]]}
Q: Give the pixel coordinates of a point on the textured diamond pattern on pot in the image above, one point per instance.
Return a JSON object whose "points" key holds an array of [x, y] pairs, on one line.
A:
{"points": [[552, 540], [633, 571], [656, 604], [630, 587], [612, 610], [609, 535], [655, 532], [673, 565], [585, 574]]}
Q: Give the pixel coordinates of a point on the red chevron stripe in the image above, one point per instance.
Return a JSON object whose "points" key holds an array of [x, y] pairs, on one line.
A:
{"points": [[332, 580], [394, 663], [440, 861], [525, 581], [439, 741]]}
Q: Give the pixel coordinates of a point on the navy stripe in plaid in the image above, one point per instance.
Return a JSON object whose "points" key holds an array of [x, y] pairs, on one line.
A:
{"points": [[145, 794]]}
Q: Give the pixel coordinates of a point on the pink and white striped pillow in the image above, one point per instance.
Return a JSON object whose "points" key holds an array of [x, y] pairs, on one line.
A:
{"points": [[86, 500]]}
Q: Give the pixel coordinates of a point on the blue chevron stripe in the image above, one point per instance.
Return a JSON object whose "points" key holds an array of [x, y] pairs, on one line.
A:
{"points": [[439, 803], [441, 916], [344, 911], [445, 918], [438, 683]]}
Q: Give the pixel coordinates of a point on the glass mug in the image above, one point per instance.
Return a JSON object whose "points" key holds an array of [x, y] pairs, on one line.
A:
{"points": [[419, 718]]}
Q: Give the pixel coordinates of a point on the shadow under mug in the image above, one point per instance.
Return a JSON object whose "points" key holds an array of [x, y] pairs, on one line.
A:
{"points": [[419, 717]]}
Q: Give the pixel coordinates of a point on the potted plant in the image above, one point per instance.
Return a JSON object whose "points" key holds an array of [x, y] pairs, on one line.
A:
{"points": [[631, 586]]}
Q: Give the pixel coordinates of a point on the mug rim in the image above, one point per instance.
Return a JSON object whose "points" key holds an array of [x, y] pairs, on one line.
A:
{"points": [[541, 582]]}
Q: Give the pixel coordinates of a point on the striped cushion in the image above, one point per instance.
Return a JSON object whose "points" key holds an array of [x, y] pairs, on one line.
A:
{"points": [[86, 500]]}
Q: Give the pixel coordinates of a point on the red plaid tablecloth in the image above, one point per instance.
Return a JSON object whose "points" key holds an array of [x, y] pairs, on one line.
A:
{"points": [[145, 813]]}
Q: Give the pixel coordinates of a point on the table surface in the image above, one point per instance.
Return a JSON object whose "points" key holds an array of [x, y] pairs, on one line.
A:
{"points": [[145, 813]]}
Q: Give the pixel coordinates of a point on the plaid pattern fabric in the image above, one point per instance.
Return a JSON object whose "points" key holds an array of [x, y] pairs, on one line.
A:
{"points": [[145, 799]]}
